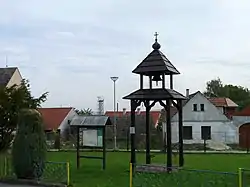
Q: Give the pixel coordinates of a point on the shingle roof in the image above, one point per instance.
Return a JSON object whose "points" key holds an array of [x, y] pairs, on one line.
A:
{"points": [[222, 102], [154, 94], [6, 74], [90, 121], [53, 117], [156, 61]]}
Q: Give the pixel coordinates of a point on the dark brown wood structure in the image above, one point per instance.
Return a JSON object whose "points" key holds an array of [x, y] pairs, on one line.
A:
{"points": [[95, 123], [156, 66], [244, 136]]}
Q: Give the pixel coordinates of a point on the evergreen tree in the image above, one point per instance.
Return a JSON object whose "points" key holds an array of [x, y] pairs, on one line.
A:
{"points": [[29, 147]]}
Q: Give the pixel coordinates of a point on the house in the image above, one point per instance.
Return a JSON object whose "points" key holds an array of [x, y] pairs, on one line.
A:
{"points": [[154, 115], [10, 76], [203, 120], [241, 120], [122, 128], [57, 119], [226, 105]]}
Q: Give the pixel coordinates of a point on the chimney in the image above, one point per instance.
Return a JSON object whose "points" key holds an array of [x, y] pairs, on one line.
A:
{"points": [[138, 111], [187, 92], [124, 111]]}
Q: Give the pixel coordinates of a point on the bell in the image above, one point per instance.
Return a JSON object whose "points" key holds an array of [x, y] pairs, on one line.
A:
{"points": [[157, 78]]}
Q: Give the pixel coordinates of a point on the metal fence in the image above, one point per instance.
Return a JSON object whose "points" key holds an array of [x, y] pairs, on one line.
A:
{"points": [[180, 177], [244, 175], [54, 172]]}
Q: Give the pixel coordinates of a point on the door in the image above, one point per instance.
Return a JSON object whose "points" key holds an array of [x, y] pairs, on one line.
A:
{"points": [[244, 135]]}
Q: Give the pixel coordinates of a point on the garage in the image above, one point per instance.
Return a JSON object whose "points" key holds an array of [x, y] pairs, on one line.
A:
{"points": [[244, 135]]}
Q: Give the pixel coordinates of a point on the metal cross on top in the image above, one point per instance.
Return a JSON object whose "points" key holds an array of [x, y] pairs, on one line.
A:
{"points": [[156, 34]]}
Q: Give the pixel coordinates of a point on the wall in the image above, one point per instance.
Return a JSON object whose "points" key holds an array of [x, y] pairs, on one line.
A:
{"points": [[240, 120], [210, 114], [64, 125], [15, 79], [222, 129]]}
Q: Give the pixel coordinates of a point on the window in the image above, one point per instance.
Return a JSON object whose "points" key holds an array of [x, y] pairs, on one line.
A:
{"points": [[202, 107], [187, 133], [194, 107], [205, 132]]}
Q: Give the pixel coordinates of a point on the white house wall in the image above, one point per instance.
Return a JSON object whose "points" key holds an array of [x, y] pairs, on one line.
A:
{"points": [[240, 120], [222, 129], [64, 125], [210, 114]]}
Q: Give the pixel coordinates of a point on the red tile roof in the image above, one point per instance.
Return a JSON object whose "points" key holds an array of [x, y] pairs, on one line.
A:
{"points": [[53, 117], [154, 114], [222, 102]]}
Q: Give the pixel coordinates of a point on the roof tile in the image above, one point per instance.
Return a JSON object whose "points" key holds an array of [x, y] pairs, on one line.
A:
{"points": [[53, 117], [6, 74]]}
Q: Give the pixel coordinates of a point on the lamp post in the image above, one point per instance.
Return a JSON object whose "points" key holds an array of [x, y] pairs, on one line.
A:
{"points": [[114, 79]]}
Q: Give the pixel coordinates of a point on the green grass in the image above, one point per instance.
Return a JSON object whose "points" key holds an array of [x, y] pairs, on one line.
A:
{"points": [[91, 174]]}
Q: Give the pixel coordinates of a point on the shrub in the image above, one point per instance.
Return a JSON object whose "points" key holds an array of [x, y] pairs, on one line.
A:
{"points": [[29, 147]]}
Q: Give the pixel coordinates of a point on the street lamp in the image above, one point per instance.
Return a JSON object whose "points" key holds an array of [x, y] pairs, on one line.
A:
{"points": [[114, 79]]}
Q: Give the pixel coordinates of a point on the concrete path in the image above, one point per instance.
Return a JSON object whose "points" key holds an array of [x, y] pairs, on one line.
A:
{"points": [[13, 185]]}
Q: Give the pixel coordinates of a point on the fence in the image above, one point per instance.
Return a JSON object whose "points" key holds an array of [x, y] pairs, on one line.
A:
{"points": [[194, 141], [54, 172], [180, 177]]}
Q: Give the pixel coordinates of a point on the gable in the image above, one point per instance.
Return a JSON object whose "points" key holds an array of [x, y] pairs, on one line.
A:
{"points": [[210, 113], [53, 117], [16, 79]]}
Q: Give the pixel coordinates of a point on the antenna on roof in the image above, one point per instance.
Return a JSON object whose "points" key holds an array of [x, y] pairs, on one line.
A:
{"points": [[6, 61]]}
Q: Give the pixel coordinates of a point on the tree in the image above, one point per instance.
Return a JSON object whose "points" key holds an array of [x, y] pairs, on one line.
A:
{"points": [[29, 146], [214, 88], [12, 100], [84, 112], [238, 94]]}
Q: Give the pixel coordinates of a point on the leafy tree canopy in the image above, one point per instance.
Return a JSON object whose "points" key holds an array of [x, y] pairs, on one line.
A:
{"points": [[12, 100], [84, 112], [240, 95]]}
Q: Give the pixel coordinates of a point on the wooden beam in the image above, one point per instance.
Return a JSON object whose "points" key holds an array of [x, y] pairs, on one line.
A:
{"points": [[132, 134], [91, 157], [77, 148], [104, 148], [171, 81], [181, 155], [141, 81], [169, 137], [148, 158]]}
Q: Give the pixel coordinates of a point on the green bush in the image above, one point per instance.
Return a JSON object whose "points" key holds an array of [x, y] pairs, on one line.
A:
{"points": [[29, 147]]}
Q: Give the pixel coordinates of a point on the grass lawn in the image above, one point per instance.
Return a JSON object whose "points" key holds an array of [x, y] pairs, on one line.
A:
{"points": [[91, 174]]}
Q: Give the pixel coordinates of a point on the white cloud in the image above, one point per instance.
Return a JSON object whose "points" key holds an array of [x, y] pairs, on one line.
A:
{"points": [[71, 48]]}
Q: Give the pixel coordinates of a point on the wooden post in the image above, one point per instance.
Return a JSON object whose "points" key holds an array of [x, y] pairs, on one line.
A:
{"points": [[141, 81], [77, 148], [148, 157], [169, 136], [171, 81], [132, 134], [163, 81], [181, 156], [104, 148], [150, 82]]}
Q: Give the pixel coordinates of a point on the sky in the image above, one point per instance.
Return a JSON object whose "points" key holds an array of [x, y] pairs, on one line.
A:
{"points": [[72, 48]]}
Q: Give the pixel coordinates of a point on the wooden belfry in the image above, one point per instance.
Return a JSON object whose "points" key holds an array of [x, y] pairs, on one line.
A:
{"points": [[156, 66]]}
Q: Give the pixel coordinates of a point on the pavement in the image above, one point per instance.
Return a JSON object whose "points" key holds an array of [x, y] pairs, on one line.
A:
{"points": [[14, 185]]}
